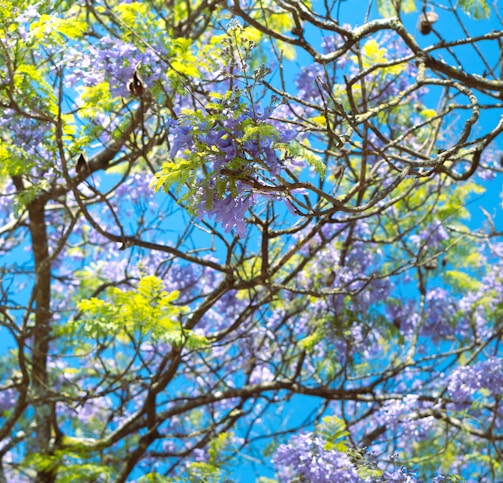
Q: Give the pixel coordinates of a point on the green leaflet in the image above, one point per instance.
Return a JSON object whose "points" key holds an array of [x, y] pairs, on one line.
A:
{"points": [[477, 9], [155, 478], [81, 473], [214, 470], [333, 431], [12, 160], [147, 310], [301, 152], [172, 173], [387, 8], [29, 80], [76, 472], [130, 12], [260, 131], [56, 29]]}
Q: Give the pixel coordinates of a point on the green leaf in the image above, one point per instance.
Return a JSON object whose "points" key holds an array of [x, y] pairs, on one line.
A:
{"points": [[41, 462], [302, 153], [154, 478], [149, 309], [85, 472], [308, 343], [55, 28], [260, 131], [29, 79], [333, 431], [187, 67], [13, 160], [129, 13], [461, 280], [477, 9], [388, 8]]}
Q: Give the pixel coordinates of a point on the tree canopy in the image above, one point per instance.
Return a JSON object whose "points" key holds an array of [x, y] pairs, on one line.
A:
{"points": [[251, 241]]}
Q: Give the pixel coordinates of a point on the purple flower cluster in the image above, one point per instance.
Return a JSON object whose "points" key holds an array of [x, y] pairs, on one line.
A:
{"points": [[396, 414], [111, 60], [232, 149], [307, 81], [479, 306], [438, 323], [24, 20], [27, 135], [398, 476], [431, 237], [7, 400], [305, 457], [465, 381]]}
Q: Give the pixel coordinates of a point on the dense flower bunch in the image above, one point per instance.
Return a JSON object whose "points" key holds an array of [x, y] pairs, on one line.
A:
{"points": [[306, 458], [466, 381], [144, 339], [230, 157]]}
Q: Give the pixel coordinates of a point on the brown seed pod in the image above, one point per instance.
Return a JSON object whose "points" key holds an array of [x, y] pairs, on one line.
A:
{"points": [[136, 85], [81, 166], [425, 22]]}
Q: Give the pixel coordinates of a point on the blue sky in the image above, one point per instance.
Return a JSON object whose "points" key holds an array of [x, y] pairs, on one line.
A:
{"points": [[353, 12]]}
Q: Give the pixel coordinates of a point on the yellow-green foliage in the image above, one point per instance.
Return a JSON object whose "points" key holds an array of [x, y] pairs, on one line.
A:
{"points": [[373, 54], [387, 8], [50, 27], [73, 469], [13, 161], [155, 478], [333, 431], [29, 80], [147, 310], [462, 281], [478, 9], [214, 469]]}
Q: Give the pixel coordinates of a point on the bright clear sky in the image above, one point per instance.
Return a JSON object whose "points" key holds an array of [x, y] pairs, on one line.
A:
{"points": [[353, 12]]}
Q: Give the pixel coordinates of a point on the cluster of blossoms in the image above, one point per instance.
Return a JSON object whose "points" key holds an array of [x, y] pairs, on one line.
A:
{"points": [[306, 458], [347, 313], [465, 381], [449, 315], [228, 154], [112, 61], [26, 135], [396, 414], [431, 237]]}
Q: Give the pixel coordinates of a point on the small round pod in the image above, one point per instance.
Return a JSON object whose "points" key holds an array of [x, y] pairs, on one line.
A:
{"points": [[425, 22]]}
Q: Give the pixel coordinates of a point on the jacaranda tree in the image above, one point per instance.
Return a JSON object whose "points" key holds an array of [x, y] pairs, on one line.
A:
{"points": [[236, 243]]}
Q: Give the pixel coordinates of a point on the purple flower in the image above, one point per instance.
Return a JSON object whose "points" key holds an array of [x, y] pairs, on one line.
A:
{"points": [[182, 138], [431, 237], [399, 476], [439, 479], [229, 212], [112, 60], [305, 457], [7, 400], [465, 381], [307, 81]]}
